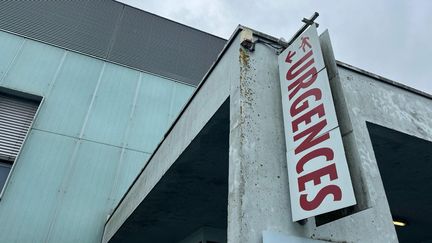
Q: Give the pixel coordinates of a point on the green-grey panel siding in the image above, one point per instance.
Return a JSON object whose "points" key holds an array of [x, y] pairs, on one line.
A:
{"points": [[149, 129], [71, 94], [96, 127], [34, 68], [9, 48], [112, 107], [87, 187], [131, 164], [181, 95], [28, 201]]}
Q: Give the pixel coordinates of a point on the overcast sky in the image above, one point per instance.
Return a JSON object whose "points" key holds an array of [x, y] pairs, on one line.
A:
{"points": [[390, 38]]}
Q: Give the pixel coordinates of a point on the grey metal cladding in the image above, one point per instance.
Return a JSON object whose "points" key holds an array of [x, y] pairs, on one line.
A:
{"points": [[161, 46], [111, 30], [84, 26]]}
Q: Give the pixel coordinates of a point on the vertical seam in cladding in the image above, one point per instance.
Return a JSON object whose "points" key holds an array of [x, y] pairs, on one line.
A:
{"points": [[136, 95], [173, 94], [71, 164], [56, 74], [11, 64], [62, 190], [124, 143], [92, 101], [116, 177], [115, 32]]}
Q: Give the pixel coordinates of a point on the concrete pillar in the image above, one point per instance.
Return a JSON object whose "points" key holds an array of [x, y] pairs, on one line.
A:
{"points": [[258, 196]]}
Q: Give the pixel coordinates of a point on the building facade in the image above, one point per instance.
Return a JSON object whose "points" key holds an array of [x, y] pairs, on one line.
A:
{"points": [[121, 126], [223, 164], [101, 106]]}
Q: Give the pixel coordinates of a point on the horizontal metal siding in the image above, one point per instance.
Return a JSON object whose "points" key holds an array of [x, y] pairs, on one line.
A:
{"points": [[85, 26], [157, 45], [116, 32], [16, 115]]}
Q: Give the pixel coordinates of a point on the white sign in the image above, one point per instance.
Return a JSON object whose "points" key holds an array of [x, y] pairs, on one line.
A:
{"points": [[319, 178]]}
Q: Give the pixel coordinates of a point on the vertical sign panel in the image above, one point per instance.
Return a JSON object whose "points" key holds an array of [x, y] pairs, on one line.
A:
{"points": [[319, 178]]}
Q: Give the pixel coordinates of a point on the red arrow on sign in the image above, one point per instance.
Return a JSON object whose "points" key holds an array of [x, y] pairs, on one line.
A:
{"points": [[289, 56]]}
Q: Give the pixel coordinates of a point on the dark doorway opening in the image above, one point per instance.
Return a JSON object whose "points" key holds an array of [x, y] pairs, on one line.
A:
{"points": [[405, 164]]}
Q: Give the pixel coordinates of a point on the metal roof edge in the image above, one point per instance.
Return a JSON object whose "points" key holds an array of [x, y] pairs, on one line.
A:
{"points": [[383, 79]]}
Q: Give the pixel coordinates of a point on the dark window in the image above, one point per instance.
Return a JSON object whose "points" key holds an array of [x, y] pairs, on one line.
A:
{"points": [[4, 172]]}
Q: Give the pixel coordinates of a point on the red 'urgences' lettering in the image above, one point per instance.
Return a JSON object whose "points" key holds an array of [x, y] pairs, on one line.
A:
{"points": [[326, 152], [295, 109], [312, 137], [302, 75], [290, 75], [307, 117], [324, 192], [316, 175], [302, 83]]}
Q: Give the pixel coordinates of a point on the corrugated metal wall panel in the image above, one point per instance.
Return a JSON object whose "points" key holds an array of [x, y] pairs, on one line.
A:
{"points": [[117, 32], [16, 115], [82, 25], [164, 47]]}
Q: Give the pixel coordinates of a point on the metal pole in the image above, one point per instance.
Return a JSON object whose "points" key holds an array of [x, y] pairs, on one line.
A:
{"points": [[307, 22]]}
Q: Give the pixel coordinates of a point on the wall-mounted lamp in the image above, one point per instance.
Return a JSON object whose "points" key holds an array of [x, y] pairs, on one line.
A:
{"points": [[399, 222]]}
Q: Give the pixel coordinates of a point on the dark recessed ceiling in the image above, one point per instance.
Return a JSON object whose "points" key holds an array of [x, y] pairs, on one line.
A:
{"points": [[405, 164], [192, 194]]}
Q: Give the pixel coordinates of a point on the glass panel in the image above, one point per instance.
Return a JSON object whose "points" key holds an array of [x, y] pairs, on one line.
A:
{"points": [[34, 68], [181, 95], [65, 107], [130, 166], [87, 193], [110, 113], [151, 116], [9, 47], [36, 179]]}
